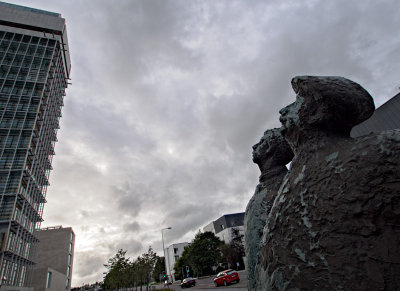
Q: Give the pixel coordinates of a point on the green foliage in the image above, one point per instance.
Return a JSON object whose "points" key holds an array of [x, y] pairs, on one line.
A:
{"points": [[204, 252], [234, 251], [118, 267], [124, 273], [159, 268], [145, 265]]}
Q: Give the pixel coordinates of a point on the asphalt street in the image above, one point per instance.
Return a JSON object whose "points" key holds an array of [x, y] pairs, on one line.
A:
{"points": [[208, 283]]}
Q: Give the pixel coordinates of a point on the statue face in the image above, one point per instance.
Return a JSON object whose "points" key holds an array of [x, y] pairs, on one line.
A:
{"points": [[260, 149], [290, 116], [272, 150]]}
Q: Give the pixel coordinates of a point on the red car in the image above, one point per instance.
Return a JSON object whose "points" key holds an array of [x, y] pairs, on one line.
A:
{"points": [[226, 277]]}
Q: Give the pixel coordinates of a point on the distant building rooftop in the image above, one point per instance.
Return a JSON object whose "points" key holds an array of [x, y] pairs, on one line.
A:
{"points": [[41, 23], [225, 221], [385, 117], [51, 228], [29, 9]]}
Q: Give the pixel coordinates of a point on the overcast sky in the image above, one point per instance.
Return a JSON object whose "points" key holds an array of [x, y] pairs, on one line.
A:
{"points": [[168, 97]]}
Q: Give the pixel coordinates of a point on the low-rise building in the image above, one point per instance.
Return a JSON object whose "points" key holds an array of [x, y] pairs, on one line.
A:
{"points": [[54, 257], [172, 254], [223, 226]]}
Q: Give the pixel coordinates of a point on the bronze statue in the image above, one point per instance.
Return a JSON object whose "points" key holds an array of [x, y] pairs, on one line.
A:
{"points": [[335, 222], [271, 155]]}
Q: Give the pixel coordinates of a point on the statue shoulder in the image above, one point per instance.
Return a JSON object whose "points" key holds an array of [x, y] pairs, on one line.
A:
{"points": [[385, 142]]}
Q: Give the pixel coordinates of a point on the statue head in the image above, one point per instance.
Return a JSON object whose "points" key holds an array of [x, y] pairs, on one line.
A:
{"points": [[327, 105], [272, 149]]}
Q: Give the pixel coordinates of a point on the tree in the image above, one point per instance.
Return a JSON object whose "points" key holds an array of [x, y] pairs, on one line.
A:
{"points": [[124, 273], [234, 251], [159, 268], [146, 264], [204, 252], [117, 271]]}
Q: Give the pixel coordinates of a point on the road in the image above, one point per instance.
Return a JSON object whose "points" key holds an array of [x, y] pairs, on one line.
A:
{"points": [[208, 283]]}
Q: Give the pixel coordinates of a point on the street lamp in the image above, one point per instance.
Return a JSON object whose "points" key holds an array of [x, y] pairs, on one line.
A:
{"points": [[165, 258]]}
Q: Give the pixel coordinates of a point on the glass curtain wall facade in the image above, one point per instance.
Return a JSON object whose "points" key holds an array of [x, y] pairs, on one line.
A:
{"points": [[33, 79]]}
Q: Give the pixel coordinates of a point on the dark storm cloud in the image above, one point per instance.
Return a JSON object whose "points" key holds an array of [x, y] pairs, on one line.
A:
{"points": [[169, 96]]}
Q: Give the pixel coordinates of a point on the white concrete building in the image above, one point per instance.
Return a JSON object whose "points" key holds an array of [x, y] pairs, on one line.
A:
{"points": [[172, 254]]}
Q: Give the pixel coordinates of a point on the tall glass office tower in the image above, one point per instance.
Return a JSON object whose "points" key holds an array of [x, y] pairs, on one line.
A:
{"points": [[34, 69]]}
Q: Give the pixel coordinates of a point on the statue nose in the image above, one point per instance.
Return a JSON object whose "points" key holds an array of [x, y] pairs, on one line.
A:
{"points": [[283, 110]]}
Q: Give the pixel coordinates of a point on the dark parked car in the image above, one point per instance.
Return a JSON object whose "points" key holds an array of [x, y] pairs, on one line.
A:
{"points": [[226, 277], [188, 282]]}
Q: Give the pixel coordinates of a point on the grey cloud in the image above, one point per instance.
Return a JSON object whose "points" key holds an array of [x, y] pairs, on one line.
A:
{"points": [[132, 227], [130, 199], [88, 264], [132, 246], [104, 129]]}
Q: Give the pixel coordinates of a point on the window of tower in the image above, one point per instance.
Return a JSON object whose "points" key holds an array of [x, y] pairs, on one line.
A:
{"points": [[27, 62], [22, 48], [23, 72], [28, 89], [4, 45], [17, 37], [8, 59], [51, 43], [49, 53], [17, 62], [3, 71], [38, 90], [35, 39], [26, 38], [8, 36], [39, 52], [13, 47], [36, 63]]}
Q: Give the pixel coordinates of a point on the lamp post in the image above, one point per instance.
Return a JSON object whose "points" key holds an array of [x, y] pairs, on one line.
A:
{"points": [[165, 258]]}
